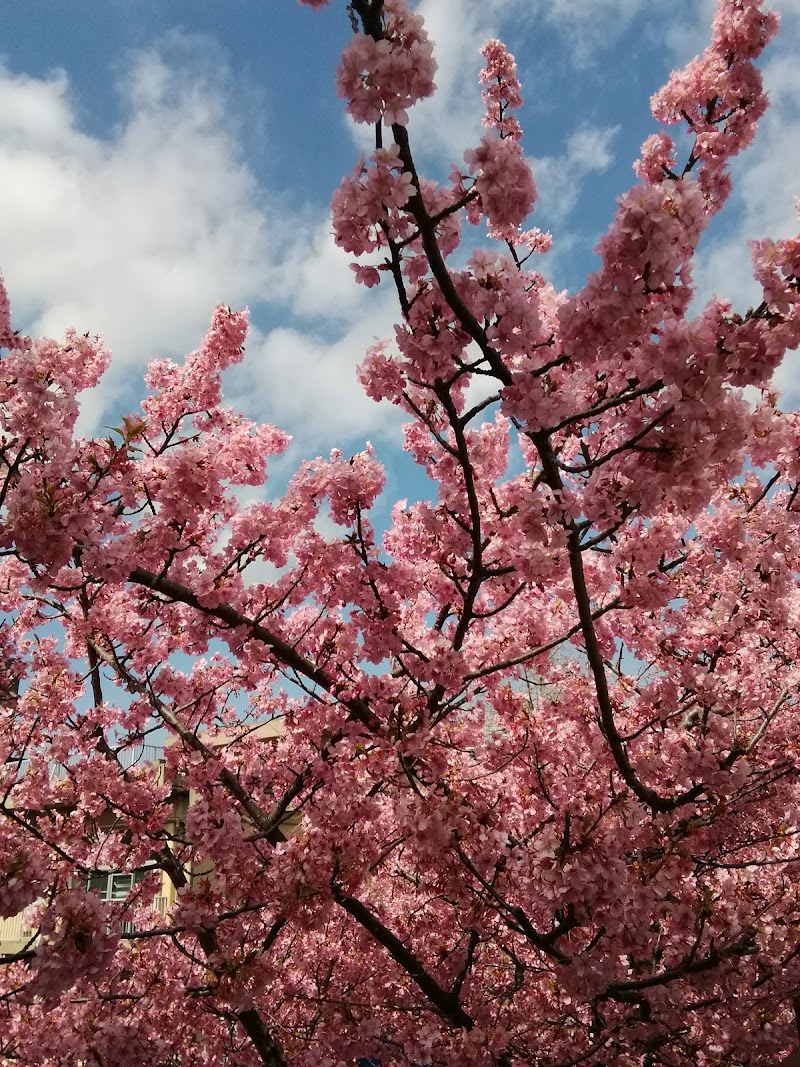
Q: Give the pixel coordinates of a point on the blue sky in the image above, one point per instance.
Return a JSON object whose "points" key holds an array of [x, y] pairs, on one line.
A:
{"points": [[162, 155]]}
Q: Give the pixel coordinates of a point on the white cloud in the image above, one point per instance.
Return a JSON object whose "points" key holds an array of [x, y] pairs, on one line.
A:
{"points": [[578, 11], [320, 282], [307, 384], [688, 34], [450, 121], [560, 178], [138, 235], [161, 213], [588, 28], [135, 236]]}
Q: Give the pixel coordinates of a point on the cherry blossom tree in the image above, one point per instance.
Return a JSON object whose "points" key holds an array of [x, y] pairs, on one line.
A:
{"points": [[425, 866]]}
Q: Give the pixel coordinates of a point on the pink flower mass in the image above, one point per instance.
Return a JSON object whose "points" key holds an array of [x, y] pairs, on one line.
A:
{"points": [[511, 782]]}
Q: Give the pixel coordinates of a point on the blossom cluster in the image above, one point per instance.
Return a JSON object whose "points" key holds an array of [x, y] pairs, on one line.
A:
{"points": [[76, 942], [381, 79], [502, 91], [504, 182], [720, 94], [23, 874], [375, 193]]}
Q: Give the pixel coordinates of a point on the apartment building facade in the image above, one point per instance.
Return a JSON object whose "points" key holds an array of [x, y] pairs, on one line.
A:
{"points": [[18, 933]]}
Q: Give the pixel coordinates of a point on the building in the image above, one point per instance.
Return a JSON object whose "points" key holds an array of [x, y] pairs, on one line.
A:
{"points": [[17, 934]]}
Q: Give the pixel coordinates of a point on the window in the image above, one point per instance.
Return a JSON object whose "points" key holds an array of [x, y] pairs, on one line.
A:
{"points": [[114, 885]]}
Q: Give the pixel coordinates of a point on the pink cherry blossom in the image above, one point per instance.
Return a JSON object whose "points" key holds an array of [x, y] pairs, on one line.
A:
{"points": [[501, 92], [382, 78], [508, 777], [504, 181]]}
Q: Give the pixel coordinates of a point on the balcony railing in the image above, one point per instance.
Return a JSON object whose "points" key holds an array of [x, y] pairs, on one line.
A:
{"points": [[136, 756], [159, 905], [20, 930], [17, 928]]}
